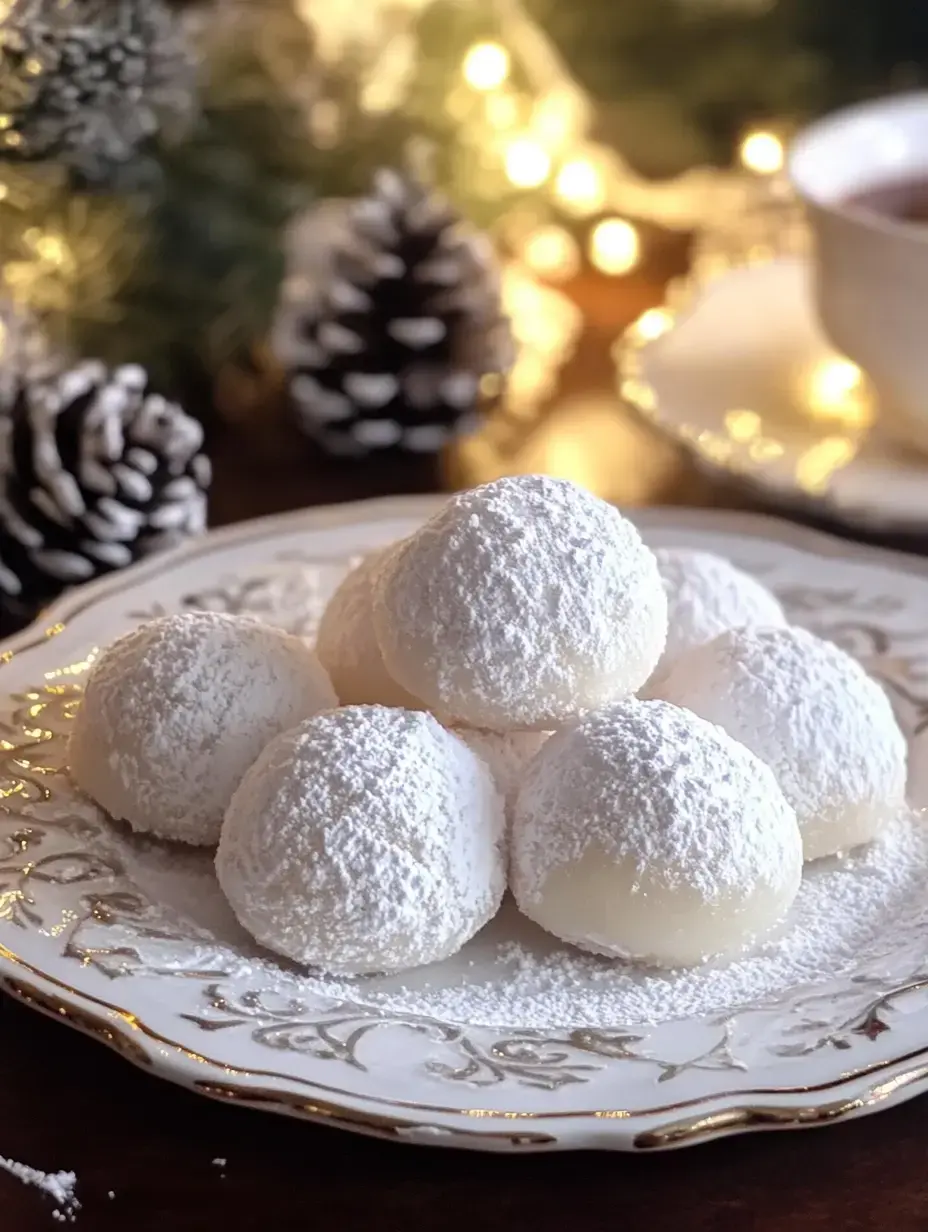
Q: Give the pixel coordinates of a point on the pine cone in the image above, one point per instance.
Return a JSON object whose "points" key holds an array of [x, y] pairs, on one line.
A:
{"points": [[390, 319], [88, 80], [95, 472]]}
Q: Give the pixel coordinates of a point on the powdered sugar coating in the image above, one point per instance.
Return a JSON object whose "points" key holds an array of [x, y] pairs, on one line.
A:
{"points": [[521, 604], [849, 912], [365, 839], [707, 595], [506, 753], [812, 713], [347, 645], [645, 832], [176, 711]]}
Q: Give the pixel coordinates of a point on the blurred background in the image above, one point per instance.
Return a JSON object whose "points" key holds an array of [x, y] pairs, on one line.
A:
{"points": [[184, 188]]}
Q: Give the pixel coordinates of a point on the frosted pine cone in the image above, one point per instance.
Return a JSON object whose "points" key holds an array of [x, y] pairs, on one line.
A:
{"points": [[389, 320], [85, 81], [95, 472]]}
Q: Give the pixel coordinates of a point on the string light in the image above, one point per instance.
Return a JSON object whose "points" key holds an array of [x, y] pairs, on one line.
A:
{"points": [[486, 66], [528, 165], [763, 152], [580, 187], [614, 246], [552, 252], [550, 109]]}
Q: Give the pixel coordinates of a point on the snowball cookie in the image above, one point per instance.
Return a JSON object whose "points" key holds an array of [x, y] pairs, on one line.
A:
{"points": [[506, 753], [366, 839], [646, 833], [175, 712], [347, 646], [707, 595], [521, 604], [814, 716]]}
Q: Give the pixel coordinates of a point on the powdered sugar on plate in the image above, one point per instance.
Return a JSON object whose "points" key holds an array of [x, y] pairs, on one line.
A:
{"points": [[59, 1186], [514, 975], [851, 916]]}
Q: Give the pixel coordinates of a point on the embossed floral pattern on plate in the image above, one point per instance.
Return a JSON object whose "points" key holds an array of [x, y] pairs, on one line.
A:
{"points": [[111, 932]]}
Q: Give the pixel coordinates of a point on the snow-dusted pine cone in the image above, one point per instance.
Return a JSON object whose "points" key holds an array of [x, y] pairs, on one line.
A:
{"points": [[87, 80], [95, 472], [388, 321]]}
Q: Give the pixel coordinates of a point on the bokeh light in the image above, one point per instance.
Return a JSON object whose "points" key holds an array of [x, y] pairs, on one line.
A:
{"points": [[835, 389], [528, 165], [614, 246], [763, 152], [652, 323], [580, 187], [551, 252], [486, 66]]}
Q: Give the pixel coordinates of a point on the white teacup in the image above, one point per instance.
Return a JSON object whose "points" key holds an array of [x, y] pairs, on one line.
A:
{"points": [[871, 277]]}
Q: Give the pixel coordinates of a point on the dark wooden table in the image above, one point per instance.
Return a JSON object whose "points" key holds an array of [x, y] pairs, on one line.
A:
{"points": [[67, 1103]]}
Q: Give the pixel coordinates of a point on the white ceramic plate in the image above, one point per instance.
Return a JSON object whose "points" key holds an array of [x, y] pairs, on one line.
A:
{"points": [[737, 370], [130, 941]]}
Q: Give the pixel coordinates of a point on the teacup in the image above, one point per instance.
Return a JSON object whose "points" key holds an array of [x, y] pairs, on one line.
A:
{"points": [[854, 170]]}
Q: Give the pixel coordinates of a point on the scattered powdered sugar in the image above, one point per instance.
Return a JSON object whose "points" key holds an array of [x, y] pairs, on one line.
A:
{"points": [[175, 712], [520, 604], [707, 595], [848, 912], [367, 838], [59, 1186], [661, 790], [808, 710]]}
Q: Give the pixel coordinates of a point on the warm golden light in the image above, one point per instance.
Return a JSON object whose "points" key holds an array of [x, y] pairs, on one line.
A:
{"points": [[614, 246], [835, 389], [486, 66], [51, 248], [742, 426], [558, 119], [502, 110], [639, 394], [834, 379], [551, 252], [527, 164], [762, 152], [653, 323], [580, 187], [816, 466], [765, 449]]}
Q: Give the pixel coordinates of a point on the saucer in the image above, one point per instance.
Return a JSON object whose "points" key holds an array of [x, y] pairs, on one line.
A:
{"points": [[737, 369]]}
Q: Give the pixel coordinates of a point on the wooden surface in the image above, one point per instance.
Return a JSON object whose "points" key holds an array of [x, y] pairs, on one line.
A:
{"points": [[67, 1103]]}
